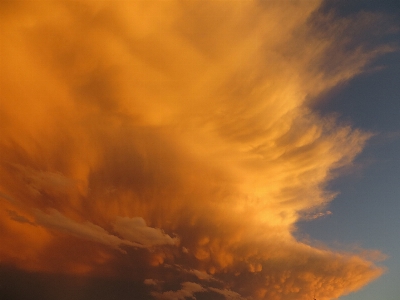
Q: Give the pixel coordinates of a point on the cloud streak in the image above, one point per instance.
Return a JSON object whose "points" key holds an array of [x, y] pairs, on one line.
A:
{"points": [[135, 230], [182, 134]]}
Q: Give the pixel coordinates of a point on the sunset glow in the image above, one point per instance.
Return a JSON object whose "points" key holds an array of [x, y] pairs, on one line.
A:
{"points": [[174, 144]]}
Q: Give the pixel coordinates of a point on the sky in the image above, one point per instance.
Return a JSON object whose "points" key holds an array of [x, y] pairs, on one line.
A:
{"points": [[199, 150]]}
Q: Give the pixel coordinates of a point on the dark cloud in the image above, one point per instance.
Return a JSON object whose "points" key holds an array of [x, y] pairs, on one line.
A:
{"points": [[18, 218]]}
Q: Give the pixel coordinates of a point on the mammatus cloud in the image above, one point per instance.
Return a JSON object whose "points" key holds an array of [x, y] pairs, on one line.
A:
{"points": [[179, 133]]}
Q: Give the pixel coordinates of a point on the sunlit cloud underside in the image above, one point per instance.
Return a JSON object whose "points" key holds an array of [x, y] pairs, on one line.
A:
{"points": [[172, 143]]}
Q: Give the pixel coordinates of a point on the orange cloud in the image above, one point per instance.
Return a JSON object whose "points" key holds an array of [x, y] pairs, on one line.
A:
{"points": [[135, 230], [188, 290], [179, 133]]}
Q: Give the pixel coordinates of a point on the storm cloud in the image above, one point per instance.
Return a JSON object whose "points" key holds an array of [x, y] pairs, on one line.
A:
{"points": [[173, 144]]}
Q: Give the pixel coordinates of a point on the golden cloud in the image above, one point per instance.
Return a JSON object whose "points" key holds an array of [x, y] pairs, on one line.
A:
{"points": [[179, 133]]}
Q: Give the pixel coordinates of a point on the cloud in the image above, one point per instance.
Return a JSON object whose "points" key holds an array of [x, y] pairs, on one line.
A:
{"points": [[87, 230], [230, 295], [317, 215], [188, 290], [18, 218], [143, 126], [201, 274], [150, 281], [135, 230]]}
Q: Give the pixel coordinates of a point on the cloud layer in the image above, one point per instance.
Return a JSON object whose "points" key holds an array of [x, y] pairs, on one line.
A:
{"points": [[179, 133]]}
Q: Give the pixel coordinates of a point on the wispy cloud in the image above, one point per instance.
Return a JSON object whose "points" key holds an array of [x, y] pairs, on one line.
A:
{"points": [[135, 230], [180, 132], [87, 230], [188, 290]]}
